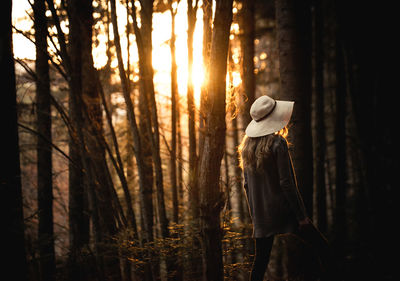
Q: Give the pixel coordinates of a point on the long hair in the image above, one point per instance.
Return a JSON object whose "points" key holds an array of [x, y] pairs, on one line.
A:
{"points": [[253, 151]]}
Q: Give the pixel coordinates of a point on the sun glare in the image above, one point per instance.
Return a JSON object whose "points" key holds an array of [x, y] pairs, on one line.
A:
{"points": [[161, 50], [162, 54]]}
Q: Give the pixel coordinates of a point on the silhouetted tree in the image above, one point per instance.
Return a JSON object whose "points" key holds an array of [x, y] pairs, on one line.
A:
{"points": [[319, 142], [247, 25], [12, 243], [44, 149], [214, 139], [293, 20]]}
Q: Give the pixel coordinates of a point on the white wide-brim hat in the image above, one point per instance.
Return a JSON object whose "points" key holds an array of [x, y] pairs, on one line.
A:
{"points": [[269, 116]]}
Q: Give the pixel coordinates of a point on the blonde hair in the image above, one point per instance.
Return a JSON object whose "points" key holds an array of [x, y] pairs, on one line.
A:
{"points": [[253, 151]]}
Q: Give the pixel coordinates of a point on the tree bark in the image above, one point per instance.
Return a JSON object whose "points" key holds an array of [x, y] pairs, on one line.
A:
{"points": [[88, 103], [247, 24], [174, 97], [207, 32], [144, 44], [193, 158], [44, 150], [78, 204], [144, 167], [293, 33], [13, 244], [214, 141], [319, 141], [340, 151]]}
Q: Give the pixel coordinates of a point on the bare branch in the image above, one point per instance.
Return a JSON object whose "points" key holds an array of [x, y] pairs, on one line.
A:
{"points": [[48, 141], [27, 68], [61, 36]]}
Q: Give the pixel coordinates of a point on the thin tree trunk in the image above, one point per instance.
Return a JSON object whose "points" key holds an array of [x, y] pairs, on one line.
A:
{"points": [[146, 77], [174, 96], [207, 32], [319, 143], [238, 171], [235, 139], [101, 187], [179, 156], [13, 245], [145, 47], [247, 24], [119, 166], [214, 141], [78, 205], [193, 159], [293, 29], [176, 270], [79, 215], [145, 185], [340, 151], [44, 150]]}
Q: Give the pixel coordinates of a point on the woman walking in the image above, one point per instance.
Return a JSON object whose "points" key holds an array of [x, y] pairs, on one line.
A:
{"points": [[274, 201]]}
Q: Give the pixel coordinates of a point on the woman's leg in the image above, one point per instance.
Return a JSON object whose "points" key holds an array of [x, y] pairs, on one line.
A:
{"points": [[263, 251]]}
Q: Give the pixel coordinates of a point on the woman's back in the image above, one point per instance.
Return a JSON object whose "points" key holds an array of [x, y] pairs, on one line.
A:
{"points": [[274, 202]]}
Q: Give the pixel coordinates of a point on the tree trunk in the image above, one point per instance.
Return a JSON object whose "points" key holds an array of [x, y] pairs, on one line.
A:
{"points": [[174, 97], [340, 151], [145, 172], [13, 244], [319, 141], [150, 108], [293, 33], [78, 204], [179, 151], [193, 159], [207, 32], [214, 141], [44, 150], [247, 24], [89, 103]]}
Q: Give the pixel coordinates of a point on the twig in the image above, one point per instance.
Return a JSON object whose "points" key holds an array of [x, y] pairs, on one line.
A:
{"points": [[56, 65], [29, 70], [48, 141]]}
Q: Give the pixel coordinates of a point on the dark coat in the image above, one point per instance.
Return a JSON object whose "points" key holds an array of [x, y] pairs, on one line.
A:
{"points": [[274, 201]]}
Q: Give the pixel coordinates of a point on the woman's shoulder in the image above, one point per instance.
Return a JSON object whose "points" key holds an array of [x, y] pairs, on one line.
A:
{"points": [[279, 143]]}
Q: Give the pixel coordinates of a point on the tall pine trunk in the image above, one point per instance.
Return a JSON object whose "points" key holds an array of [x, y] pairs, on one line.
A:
{"points": [[293, 34], [207, 32], [144, 45], [176, 268], [87, 100], [247, 25], [44, 151], [174, 97], [340, 228], [214, 140], [319, 98], [13, 244], [193, 159], [143, 160]]}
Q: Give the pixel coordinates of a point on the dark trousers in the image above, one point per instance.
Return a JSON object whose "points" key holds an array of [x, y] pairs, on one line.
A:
{"points": [[309, 235]]}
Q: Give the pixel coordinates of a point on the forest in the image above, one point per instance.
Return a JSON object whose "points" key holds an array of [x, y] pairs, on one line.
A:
{"points": [[121, 121]]}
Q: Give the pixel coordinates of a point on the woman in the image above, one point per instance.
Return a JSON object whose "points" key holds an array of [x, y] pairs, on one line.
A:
{"points": [[274, 201]]}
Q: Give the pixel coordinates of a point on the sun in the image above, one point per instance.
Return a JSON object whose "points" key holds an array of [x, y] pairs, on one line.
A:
{"points": [[162, 54]]}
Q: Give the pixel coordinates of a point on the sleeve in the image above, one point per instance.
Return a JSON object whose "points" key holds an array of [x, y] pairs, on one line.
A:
{"points": [[287, 180]]}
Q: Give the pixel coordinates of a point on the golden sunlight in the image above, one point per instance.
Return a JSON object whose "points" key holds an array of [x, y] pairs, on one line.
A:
{"points": [[161, 50], [162, 54]]}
